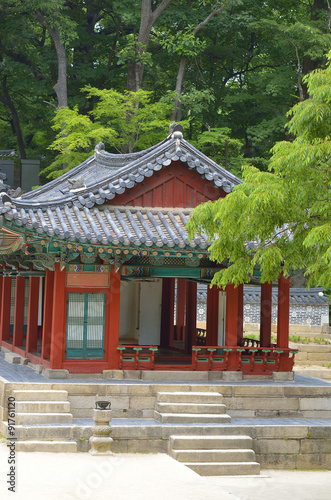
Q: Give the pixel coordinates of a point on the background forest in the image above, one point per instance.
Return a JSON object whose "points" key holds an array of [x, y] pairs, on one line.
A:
{"points": [[74, 72]]}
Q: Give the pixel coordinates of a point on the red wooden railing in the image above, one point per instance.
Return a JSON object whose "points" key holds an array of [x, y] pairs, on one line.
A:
{"points": [[247, 359], [134, 357], [259, 360]]}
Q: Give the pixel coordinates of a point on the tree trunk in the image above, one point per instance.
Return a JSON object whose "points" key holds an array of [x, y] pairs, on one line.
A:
{"points": [[61, 85], [177, 112], [16, 122], [308, 64], [147, 21]]}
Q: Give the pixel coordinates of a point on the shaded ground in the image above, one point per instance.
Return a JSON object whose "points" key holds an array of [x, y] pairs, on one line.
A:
{"points": [[80, 476]]}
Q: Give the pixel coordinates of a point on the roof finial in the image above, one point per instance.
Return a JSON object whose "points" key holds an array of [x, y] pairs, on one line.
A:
{"points": [[176, 131], [99, 147]]}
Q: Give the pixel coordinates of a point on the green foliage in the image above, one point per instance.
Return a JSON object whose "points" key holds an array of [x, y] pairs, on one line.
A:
{"points": [[76, 137], [285, 213], [218, 144], [125, 121], [241, 70], [183, 43]]}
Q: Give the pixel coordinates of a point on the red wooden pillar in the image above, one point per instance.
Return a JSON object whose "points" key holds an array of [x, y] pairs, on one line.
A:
{"points": [[18, 333], [47, 316], [266, 311], [240, 320], [32, 327], [180, 309], [5, 308], [283, 318], [191, 315], [167, 312], [1, 285], [113, 318], [232, 309], [58, 333], [212, 315]]}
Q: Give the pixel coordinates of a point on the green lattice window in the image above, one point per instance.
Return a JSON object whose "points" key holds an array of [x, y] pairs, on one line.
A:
{"points": [[85, 326], [12, 305]]}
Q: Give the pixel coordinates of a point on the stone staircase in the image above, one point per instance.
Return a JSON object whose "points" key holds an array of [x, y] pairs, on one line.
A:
{"points": [[43, 421], [190, 408], [215, 455]]}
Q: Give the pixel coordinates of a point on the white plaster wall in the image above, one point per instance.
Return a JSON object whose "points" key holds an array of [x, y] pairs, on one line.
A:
{"points": [[129, 310], [150, 312]]}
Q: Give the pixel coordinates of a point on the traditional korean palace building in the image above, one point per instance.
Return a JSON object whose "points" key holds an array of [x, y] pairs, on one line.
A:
{"points": [[91, 261]]}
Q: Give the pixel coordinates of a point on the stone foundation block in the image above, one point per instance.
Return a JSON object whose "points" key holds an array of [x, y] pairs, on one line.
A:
{"points": [[119, 402], [315, 404], [174, 375], [276, 461], [137, 432], [12, 358], [215, 375], [132, 374], [258, 391], [58, 374], [268, 404], [316, 414], [283, 376], [147, 446], [313, 461], [281, 432], [319, 431], [316, 446], [142, 403], [113, 374], [270, 446], [83, 389], [307, 391], [232, 376], [83, 402], [141, 390], [120, 446]]}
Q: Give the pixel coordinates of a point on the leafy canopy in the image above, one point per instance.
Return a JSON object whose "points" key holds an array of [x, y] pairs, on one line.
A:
{"points": [[280, 220], [126, 122]]}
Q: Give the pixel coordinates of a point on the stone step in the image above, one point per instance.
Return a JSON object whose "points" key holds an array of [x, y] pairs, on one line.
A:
{"points": [[43, 418], [42, 395], [44, 432], [200, 408], [225, 468], [52, 446], [210, 442], [213, 455], [188, 418], [42, 406], [189, 397]]}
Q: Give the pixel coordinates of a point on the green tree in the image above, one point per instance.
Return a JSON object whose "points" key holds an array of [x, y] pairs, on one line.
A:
{"points": [[126, 122], [280, 220]]}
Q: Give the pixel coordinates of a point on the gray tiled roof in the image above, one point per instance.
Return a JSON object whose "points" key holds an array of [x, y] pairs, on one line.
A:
{"points": [[74, 205], [298, 296], [105, 175], [111, 224]]}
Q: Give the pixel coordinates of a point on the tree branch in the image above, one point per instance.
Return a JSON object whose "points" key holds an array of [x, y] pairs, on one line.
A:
{"points": [[301, 93], [158, 11], [208, 18]]}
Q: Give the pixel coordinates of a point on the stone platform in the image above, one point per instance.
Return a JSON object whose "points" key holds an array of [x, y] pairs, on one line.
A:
{"points": [[288, 422]]}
